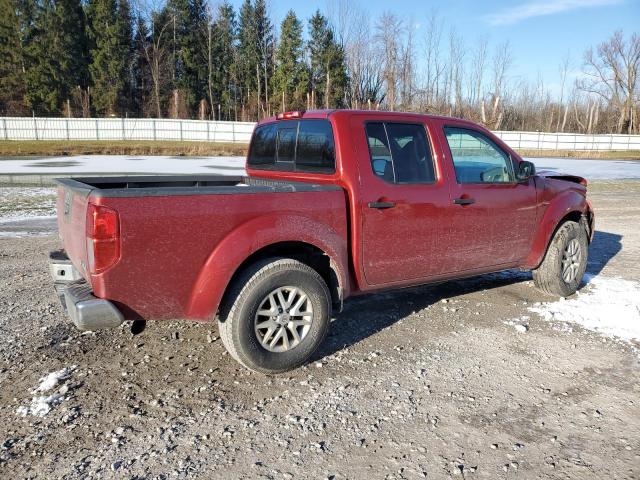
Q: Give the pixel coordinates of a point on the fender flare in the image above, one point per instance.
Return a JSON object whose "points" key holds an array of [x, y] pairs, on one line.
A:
{"points": [[567, 203], [229, 254]]}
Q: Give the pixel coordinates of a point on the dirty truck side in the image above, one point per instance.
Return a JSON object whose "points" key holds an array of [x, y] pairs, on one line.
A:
{"points": [[335, 204]]}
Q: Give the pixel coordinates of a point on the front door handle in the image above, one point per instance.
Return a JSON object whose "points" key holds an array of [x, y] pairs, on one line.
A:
{"points": [[382, 205], [464, 201]]}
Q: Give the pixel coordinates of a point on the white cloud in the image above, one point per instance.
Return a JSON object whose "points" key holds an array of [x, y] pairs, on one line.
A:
{"points": [[539, 8]]}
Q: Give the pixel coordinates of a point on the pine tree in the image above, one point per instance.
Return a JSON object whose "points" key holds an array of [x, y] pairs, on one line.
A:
{"points": [[74, 60], [11, 58], [188, 51], [328, 70], [43, 72], [247, 59], [126, 34], [159, 56], [141, 101], [223, 56], [55, 54], [255, 52], [110, 32], [265, 49], [291, 77]]}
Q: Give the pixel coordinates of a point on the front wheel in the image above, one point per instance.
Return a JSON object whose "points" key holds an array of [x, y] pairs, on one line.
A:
{"points": [[277, 315], [565, 262]]}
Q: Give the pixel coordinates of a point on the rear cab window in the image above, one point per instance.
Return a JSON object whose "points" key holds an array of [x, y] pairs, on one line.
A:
{"points": [[304, 145]]}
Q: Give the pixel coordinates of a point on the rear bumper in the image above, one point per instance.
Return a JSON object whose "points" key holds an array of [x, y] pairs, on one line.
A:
{"points": [[86, 311]]}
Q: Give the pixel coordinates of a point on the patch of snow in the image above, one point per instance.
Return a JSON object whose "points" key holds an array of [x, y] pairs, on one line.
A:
{"points": [[42, 405], [54, 378], [609, 306], [18, 204], [520, 324]]}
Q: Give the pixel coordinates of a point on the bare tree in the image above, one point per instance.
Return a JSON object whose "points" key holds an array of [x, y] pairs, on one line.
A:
{"points": [[612, 74], [564, 70], [364, 63], [407, 80], [478, 67], [434, 64], [501, 62], [388, 33], [456, 72], [345, 17]]}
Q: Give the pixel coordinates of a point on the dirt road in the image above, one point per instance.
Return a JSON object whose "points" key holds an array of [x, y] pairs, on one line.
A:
{"points": [[460, 379]]}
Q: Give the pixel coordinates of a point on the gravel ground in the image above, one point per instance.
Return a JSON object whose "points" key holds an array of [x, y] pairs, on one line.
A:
{"points": [[460, 379]]}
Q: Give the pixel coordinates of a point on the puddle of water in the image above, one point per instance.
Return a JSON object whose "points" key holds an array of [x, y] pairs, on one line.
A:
{"points": [[54, 164]]}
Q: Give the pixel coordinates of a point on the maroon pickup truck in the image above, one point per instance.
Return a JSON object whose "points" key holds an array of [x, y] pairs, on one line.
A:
{"points": [[335, 204]]}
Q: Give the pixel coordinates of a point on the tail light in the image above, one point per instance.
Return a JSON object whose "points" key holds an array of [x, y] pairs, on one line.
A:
{"points": [[103, 238]]}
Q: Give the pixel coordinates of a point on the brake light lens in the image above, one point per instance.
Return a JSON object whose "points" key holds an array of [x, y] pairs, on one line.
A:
{"points": [[103, 238], [290, 115]]}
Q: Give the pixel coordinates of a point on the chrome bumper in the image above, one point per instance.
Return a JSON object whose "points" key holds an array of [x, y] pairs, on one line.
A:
{"points": [[86, 311]]}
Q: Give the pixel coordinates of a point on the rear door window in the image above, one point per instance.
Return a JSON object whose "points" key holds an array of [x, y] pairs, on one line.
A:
{"points": [[294, 145], [400, 152]]}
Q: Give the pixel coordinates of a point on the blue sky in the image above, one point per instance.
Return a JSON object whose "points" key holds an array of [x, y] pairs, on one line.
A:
{"points": [[541, 32]]}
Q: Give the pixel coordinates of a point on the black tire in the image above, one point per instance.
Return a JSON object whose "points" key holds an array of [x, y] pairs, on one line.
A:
{"points": [[548, 277], [237, 317]]}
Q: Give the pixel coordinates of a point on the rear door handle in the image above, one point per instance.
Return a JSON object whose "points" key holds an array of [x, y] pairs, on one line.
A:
{"points": [[382, 205], [464, 201]]}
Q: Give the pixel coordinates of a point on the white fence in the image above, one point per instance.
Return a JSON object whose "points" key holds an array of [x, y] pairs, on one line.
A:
{"points": [[569, 141], [27, 128]]}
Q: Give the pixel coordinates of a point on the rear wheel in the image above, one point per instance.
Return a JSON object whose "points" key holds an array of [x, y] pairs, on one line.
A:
{"points": [[276, 316], [565, 262]]}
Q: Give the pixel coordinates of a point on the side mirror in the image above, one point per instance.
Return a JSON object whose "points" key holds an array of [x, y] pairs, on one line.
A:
{"points": [[525, 170]]}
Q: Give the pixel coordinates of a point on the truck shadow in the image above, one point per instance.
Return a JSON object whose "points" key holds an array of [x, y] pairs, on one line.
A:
{"points": [[367, 315], [603, 248]]}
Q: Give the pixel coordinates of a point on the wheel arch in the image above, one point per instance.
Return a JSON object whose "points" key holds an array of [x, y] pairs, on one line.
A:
{"points": [[304, 252], [569, 207], [301, 238]]}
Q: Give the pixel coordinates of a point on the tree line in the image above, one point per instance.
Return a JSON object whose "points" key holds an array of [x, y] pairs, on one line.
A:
{"points": [[190, 59]]}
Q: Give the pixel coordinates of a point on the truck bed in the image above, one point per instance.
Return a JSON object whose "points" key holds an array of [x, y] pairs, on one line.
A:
{"points": [[172, 227]]}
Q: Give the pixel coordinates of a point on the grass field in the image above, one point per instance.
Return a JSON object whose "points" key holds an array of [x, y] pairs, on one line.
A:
{"points": [[131, 147]]}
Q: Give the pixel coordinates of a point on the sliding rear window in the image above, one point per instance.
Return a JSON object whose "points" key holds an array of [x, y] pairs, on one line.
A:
{"points": [[294, 145]]}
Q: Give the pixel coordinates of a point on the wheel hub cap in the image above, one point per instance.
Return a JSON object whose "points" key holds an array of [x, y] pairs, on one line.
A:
{"points": [[571, 259], [283, 319]]}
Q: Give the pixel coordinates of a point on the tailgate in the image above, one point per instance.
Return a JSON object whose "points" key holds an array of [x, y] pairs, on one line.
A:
{"points": [[71, 207]]}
